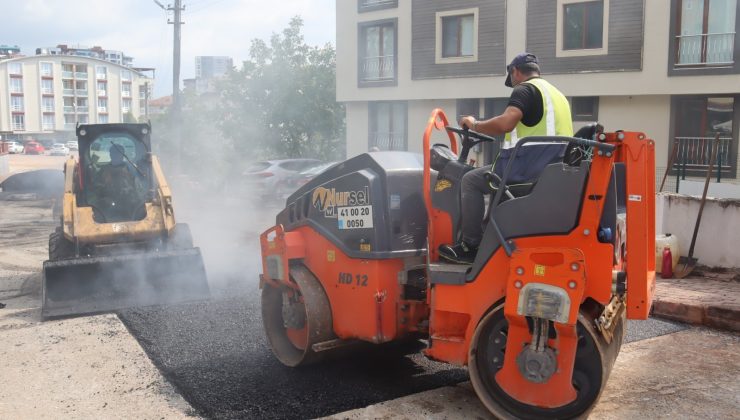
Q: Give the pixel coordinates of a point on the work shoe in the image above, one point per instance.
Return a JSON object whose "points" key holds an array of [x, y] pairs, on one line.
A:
{"points": [[460, 253]]}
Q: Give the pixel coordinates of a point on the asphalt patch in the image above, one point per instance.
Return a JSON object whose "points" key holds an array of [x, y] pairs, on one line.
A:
{"points": [[216, 355], [43, 183]]}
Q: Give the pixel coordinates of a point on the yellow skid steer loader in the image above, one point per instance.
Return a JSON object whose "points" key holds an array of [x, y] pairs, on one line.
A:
{"points": [[118, 244]]}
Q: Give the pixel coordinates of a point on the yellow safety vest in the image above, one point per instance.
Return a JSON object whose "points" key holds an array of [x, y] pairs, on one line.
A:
{"points": [[555, 121]]}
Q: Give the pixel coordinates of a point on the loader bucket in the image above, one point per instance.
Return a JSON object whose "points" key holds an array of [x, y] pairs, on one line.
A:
{"points": [[106, 283]]}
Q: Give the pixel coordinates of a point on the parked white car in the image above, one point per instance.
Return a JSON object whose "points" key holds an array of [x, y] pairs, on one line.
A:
{"points": [[72, 145], [59, 149], [14, 147]]}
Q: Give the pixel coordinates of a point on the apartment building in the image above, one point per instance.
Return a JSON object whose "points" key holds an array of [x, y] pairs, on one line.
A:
{"points": [[45, 96], [668, 68], [117, 57]]}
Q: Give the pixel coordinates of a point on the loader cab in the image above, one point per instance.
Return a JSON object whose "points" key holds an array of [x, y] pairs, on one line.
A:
{"points": [[114, 173]]}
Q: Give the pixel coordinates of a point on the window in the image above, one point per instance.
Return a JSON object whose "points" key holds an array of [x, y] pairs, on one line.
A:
{"points": [[102, 86], [103, 118], [706, 32], [387, 125], [102, 105], [125, 105], [80, 85], [47, 104], [584, 108], [47, 122], [69, 119], [16, 85], [370, 5], [82, 119], [697, 120], [126, 90], [16, 103], [457, 36], [378, 54], [582, 27], [126, 75], [19, 122], [15, 68], [47, 86], [101, 72], [47, 69]]}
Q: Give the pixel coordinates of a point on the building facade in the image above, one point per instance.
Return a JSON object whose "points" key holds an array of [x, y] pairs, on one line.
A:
{"points": [[669, 68], [45, 96]]}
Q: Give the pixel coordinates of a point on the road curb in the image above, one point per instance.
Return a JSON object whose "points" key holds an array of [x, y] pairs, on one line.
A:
{"points": [[699, 303]]}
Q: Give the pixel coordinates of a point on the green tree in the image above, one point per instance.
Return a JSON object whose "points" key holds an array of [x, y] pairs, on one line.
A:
{"points": [[281, 103]]}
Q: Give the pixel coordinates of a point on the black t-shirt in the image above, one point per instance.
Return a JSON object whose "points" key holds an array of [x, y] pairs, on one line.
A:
{"points": [[528, 99]]}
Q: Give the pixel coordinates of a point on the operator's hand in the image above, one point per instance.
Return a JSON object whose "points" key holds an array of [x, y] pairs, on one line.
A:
{"points": [[467, 121]]}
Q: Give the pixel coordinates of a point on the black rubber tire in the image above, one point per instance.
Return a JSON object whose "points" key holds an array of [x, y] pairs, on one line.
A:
{"points": [[60, 247], [180, 237], [318, 317], [590, 344]]}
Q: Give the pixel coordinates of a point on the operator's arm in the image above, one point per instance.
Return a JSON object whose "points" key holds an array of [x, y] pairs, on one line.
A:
{"points": [[501, 124]]}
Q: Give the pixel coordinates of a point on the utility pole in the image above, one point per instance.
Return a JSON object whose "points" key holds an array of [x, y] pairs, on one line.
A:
{"points": [[176, 103]]}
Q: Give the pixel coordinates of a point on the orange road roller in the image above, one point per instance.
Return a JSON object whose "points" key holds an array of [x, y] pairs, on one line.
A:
{"points": [[538, 317]]}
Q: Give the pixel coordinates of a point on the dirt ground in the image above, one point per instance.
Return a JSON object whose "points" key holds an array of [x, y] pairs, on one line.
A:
{"points": [[80, 368]]}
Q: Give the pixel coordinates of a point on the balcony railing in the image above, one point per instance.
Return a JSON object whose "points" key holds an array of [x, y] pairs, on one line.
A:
{"points": [[82, 109], [47, 108], [102, 93], [68, 92], [716, 48], [378, 68], [101, 76], [19, 126], [69, 109], [388, 140], [47, 127], [126, 94], [102, 109], [80, 75], [16, 107], [68, 75], [694, 153], [81, 92]]}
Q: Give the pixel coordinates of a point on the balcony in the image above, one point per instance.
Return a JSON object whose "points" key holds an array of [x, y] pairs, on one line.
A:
{"points": [[126, 94], [68, 75], [82, 109], [16, 108], [47, 91], [378, 68], [705, 49], [102, 93], [19, 126], [80, 75], [47, 127], [103, 109], [694, 153], [47, 108], [101, 76], [68, 92], [69, 109], [81, 92]]}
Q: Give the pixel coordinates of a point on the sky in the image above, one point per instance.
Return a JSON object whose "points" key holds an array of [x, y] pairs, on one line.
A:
{"points": [[139, 28]]}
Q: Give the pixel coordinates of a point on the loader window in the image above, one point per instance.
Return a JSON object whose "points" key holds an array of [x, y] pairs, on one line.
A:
{"points": [[117, 178]]}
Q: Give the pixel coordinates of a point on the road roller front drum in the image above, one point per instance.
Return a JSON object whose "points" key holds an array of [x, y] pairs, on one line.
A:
{"points": [[296, 317], [594, 360]]}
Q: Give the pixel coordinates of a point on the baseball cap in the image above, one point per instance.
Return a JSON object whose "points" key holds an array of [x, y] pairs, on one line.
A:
{"points": [[519, 60]]}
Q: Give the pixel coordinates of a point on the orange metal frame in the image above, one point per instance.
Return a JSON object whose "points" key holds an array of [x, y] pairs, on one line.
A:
{"points": [[577, 263]]}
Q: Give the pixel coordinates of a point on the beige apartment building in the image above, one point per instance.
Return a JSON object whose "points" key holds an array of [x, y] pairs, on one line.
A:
{"points": [[45, 96], [668, 68]]}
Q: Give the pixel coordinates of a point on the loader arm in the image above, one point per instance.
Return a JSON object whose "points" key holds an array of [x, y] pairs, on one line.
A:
{"points": [[164, 195]]}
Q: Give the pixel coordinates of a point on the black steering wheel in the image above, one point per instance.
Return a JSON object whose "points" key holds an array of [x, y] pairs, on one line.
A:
{"points": [[469, 138]]}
